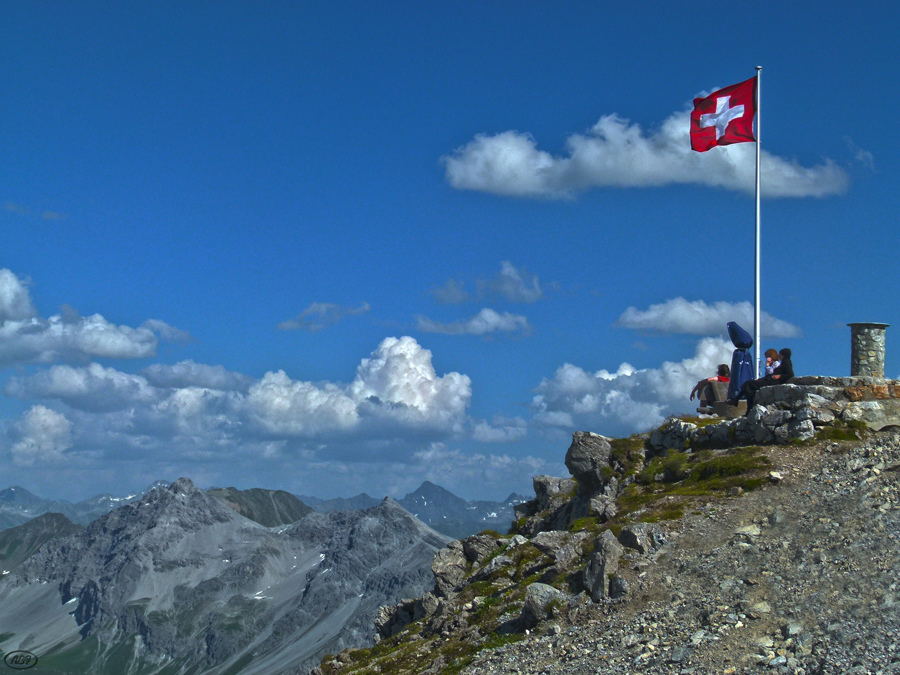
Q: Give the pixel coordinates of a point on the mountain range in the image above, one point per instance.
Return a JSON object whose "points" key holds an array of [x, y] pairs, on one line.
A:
{"points": [[18, 506], [433, 505], [178, 582], [439, 508]]}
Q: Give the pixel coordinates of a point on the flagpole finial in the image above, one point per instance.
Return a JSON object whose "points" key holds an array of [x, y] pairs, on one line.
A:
{"points": [[759, 67]]}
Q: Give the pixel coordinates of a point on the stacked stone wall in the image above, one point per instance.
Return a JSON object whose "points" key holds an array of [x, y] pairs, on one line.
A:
{"points": [[792, 411]]}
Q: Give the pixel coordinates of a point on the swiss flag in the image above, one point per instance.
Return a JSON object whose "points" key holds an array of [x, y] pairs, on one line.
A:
{"points": [[724, 117]]}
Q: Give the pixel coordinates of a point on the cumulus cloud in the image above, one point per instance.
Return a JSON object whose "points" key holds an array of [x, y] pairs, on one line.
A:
{"points": [[15, 301], [500, 430], [189, 407], [26, 337], [43, 436], [509, 284], [486, 321], [627, 400], [319, 315], [40, 340], [620, 154], [697, 318], [191, 374], [92, 388]]}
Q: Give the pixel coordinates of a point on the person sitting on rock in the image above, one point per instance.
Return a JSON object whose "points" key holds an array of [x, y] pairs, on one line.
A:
{"points": [[780, 375], [723, 374], [772, 361]]}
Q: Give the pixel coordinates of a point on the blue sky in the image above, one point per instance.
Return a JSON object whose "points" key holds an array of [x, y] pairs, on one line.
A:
{"points": [[344, 246]]}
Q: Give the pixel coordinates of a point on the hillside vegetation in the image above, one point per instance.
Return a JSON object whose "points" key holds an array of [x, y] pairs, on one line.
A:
{"points": [[783, 558]]}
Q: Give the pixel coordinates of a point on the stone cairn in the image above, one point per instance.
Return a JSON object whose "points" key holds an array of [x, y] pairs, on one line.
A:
{"points": [[867, 349]]}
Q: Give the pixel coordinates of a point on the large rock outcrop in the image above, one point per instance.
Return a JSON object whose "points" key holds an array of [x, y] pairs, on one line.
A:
{"points": [[590, 492]]}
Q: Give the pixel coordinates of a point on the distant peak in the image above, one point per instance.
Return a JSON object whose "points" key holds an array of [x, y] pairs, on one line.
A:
{"points": [[182, 486], [429, 487]]}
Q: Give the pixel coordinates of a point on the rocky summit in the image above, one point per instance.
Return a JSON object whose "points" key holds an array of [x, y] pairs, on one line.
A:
{"points": [[178, 582], [778, 558]]}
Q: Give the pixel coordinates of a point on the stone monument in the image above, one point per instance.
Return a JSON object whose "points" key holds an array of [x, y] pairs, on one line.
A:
{"points": [[867, 349]]}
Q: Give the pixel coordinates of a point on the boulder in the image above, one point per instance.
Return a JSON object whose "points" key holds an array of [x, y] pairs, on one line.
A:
{"points": [[517, 541], [603, 508], [602, 565], [801, 429], [539, 601], [618, 587], [449, 569], [563, 547], [642, 537], [478, 547], [549, 489], [588, 459], [498, 563], [571, 552], [875, 414]]}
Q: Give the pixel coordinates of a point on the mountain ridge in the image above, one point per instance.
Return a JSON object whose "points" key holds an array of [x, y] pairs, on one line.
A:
{"points": [[146, 579], [437, 507]]}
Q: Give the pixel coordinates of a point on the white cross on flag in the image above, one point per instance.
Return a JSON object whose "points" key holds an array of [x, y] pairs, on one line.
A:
{"points": [[724, 117]]}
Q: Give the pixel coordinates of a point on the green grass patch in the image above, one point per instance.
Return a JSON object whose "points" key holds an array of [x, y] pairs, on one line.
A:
{"points": [[700, 422], [589, 524], [668, 513], [628, 453], [686, 475], [491, 533], [839, 430]]}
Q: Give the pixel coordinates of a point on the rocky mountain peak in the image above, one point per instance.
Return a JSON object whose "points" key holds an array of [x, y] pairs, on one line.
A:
{"points": [[18, 495], [182, 486]]}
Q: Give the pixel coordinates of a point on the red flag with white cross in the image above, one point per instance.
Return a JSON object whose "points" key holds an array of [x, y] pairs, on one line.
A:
{"points": [[724, 117]]}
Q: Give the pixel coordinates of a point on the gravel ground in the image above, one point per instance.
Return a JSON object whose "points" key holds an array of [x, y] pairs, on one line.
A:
{"points": [[800, 577]]}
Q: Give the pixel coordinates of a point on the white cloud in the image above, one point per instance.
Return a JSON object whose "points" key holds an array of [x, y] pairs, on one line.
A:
{"points": [[396, 396], [191, 374], [319, 315], [486, 321], [40, 340], [500, 430], [167, 332], [451, 293], [28, 338], [616, 153], [15, 301], [398, 382], [44, 435], [511, 284], [284, 407], [697, 318], [92, 388], [625, 401]]}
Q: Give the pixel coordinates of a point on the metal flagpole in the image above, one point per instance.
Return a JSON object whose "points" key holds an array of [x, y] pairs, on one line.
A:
{"points": [[756, 345]]}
